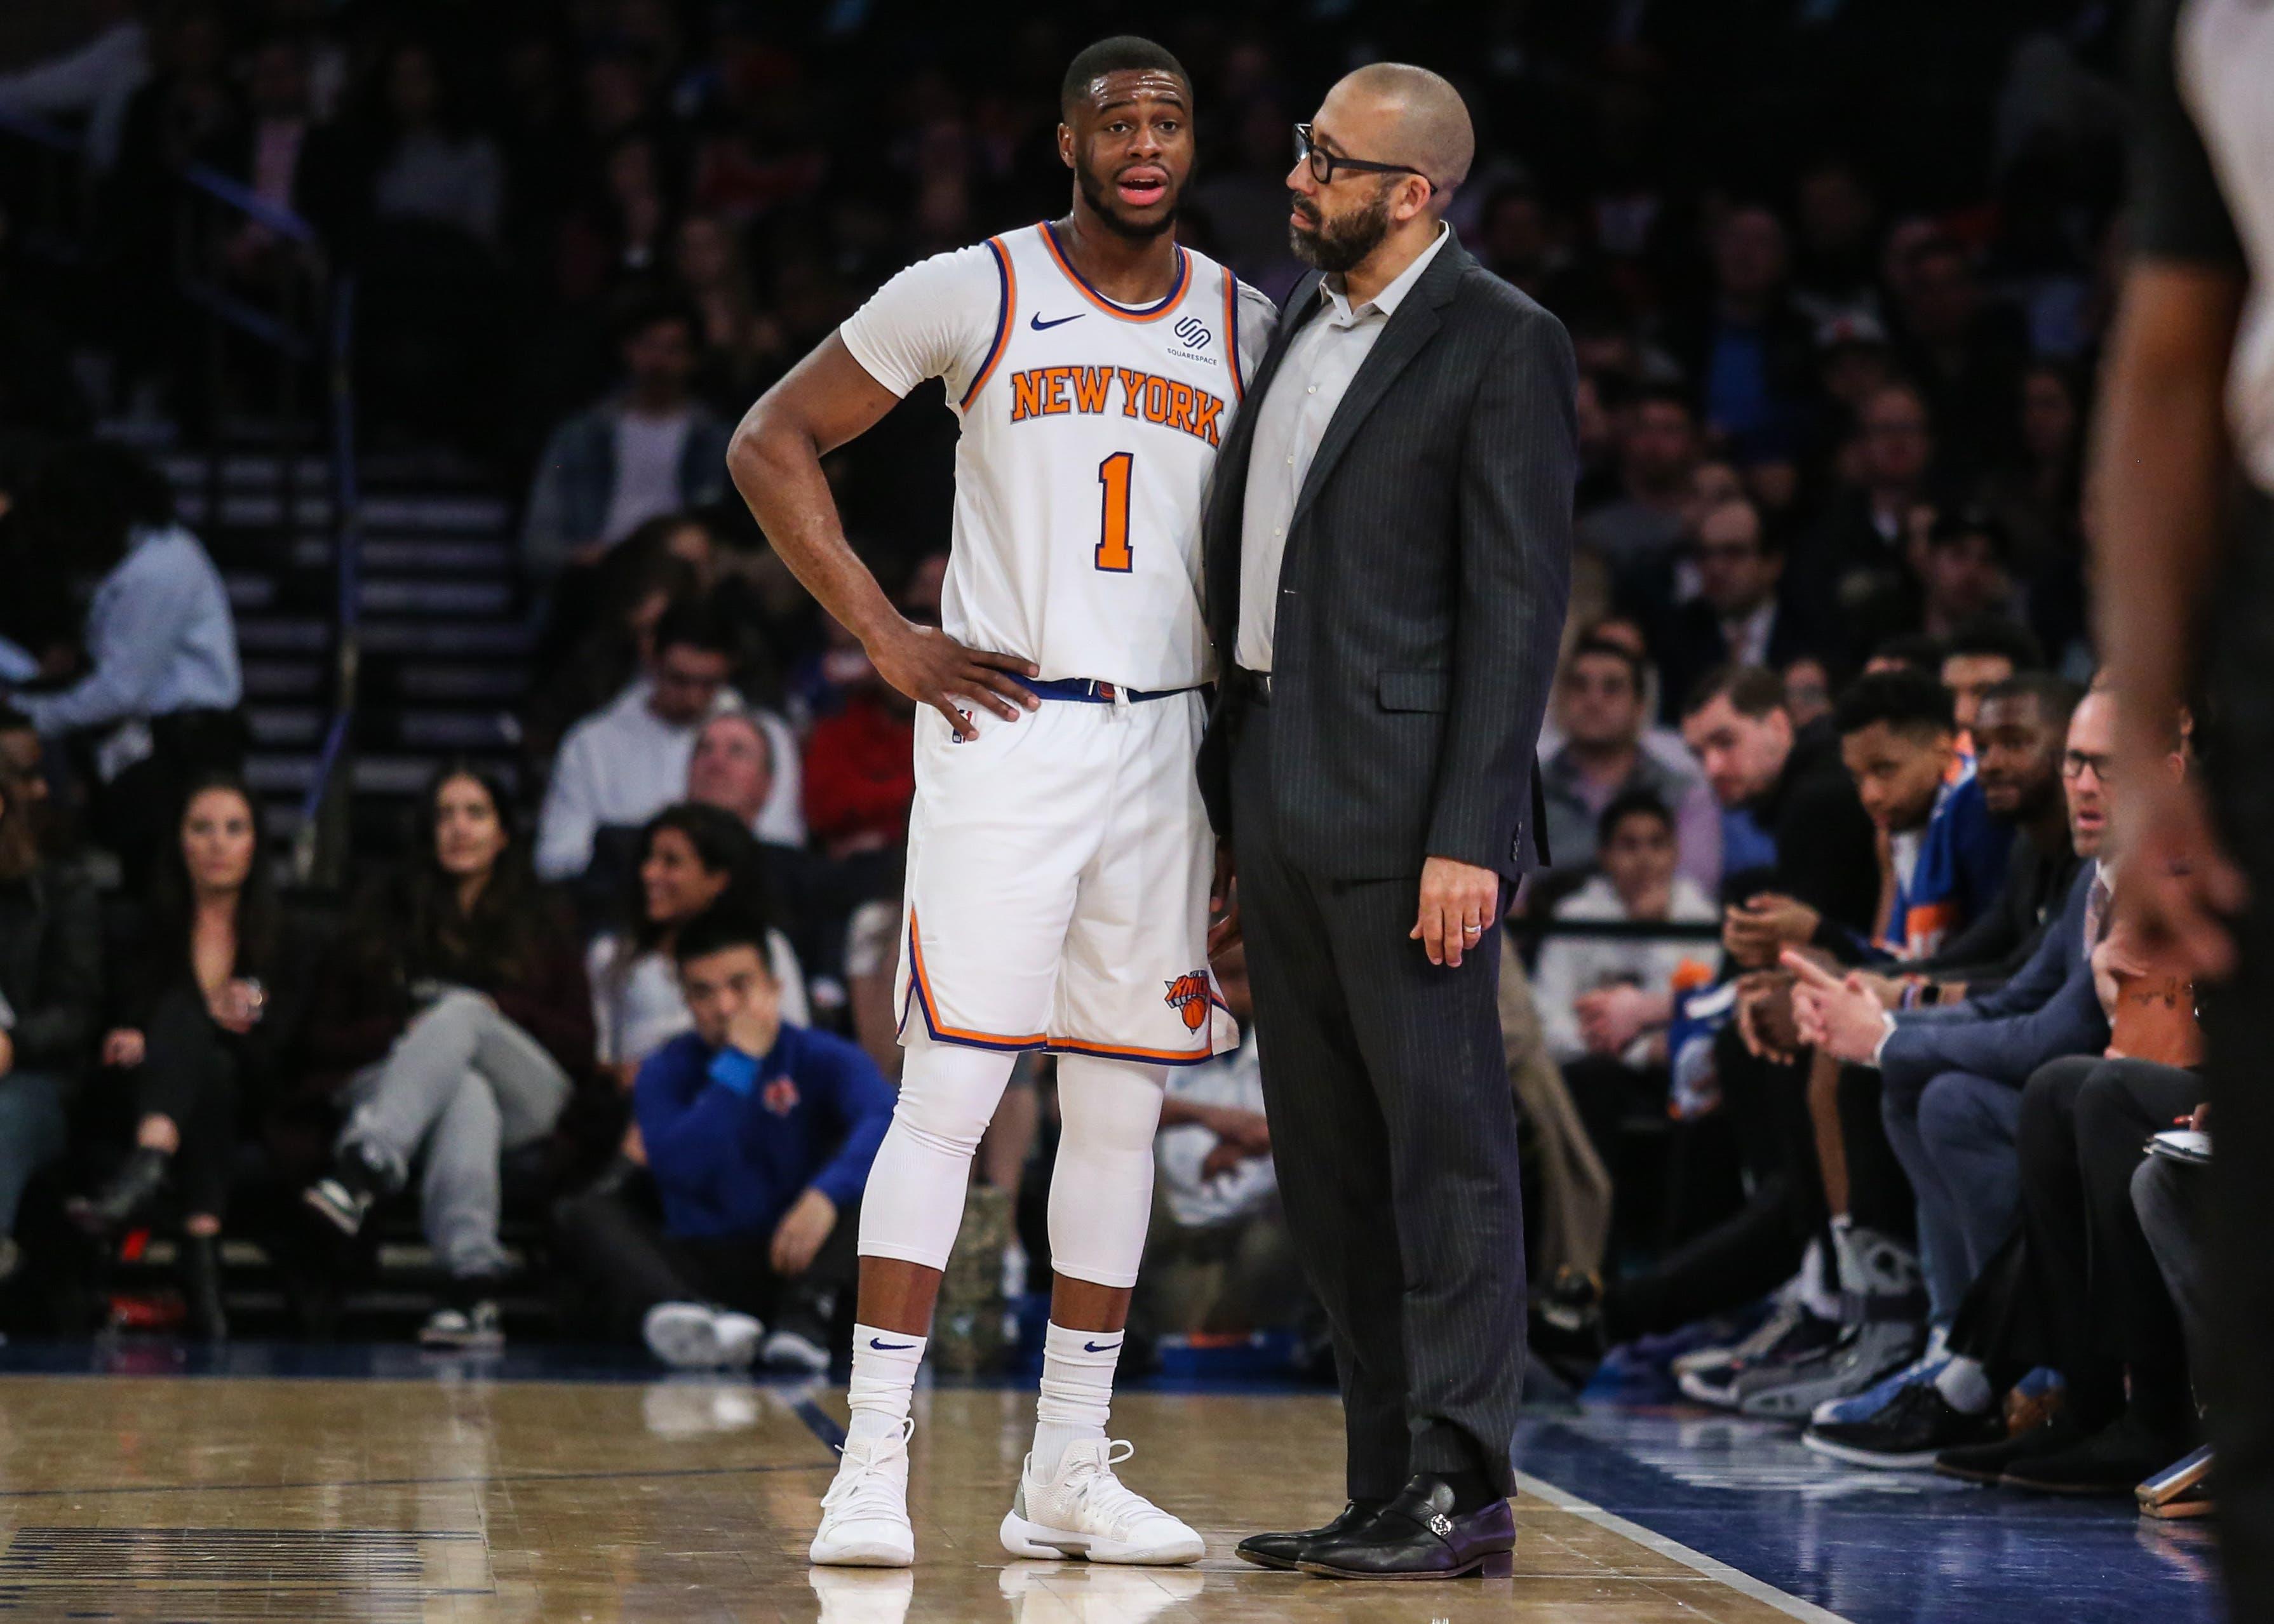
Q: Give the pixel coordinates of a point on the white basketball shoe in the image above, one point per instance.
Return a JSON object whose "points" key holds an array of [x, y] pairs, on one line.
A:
{"points": [[1082, 1509], [864, 1516]]}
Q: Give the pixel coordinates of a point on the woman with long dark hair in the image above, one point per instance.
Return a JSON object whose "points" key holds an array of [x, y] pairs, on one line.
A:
{"points": [[455, 1020], [211, 1011], [690, 857]]}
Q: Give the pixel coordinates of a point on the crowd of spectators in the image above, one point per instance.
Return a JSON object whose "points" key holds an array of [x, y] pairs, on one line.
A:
{"points": [[1819, 1016]]}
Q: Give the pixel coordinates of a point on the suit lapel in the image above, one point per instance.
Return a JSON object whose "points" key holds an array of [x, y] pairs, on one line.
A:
{"points": [[1409, 331]]}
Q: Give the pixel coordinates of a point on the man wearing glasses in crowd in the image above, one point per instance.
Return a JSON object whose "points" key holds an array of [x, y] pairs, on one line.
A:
{"points": [[1389, 549]]}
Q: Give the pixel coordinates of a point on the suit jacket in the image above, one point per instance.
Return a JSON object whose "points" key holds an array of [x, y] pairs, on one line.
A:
{"points": [[2047, 1010], [1423, 589]]}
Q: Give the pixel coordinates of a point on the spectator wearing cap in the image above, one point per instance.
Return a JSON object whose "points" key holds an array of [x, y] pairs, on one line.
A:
{"points": [[1602, 756], [650, 450], [624, 764]]}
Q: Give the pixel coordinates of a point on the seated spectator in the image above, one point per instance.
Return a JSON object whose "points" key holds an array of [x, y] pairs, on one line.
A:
{"points": [[1602, 757], [1658, 446], [209, 1016], [453, 1021], [162, 693], [1954, 1076], [691, 857], [600, 637], [745, 762], [1605, 1001], [759, 1137], [1740, 615], [1946, 857], [1976, 657], [51, 991], [621, 765], [1218, 1259], [1963, 576], [652, 450], [1857, 550], [860, 768]]}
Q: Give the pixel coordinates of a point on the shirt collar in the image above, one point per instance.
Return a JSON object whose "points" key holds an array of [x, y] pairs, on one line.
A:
{"points": [[1387, 300]]}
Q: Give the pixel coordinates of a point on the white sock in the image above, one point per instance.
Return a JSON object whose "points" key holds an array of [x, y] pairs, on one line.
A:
{"points": [[884, 1382], [1077, 1391], [1819, 1293], [1964, 1386]]}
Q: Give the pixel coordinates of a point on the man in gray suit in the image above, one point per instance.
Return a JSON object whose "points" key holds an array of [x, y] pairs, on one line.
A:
{"points": [[1388, 545]]}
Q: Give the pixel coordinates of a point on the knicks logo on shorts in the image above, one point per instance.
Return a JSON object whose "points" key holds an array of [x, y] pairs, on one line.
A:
{"points": [[1189, 996]]}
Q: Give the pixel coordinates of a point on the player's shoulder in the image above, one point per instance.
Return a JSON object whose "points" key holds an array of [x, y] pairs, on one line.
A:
{"points": [[1211, 274], [974, 266]]}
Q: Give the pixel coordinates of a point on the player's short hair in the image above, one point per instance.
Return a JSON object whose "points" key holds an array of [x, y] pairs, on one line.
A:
{"points": [[721, 929], [1908, 702], [1122, 53], [1753, 690], [2055, 696], [1995, 635]]}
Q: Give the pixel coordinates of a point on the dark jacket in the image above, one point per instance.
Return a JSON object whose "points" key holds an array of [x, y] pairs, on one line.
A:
{"points": [[51, 969], [2047, 1010], [1827, 853], [576, 481], [285, 966], [733, 1139], [1423, 591], [1993, 949]]}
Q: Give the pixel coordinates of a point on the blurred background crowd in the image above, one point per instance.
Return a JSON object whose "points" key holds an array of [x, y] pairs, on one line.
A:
{"points": [[417, 763]]}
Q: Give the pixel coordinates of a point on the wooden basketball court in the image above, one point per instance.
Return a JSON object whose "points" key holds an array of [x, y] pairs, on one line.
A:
{"points": [[455, 1497]]}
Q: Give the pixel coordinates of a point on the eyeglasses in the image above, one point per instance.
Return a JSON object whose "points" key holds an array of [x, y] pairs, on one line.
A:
{"points": [[1324, 163], [2074, 762]]}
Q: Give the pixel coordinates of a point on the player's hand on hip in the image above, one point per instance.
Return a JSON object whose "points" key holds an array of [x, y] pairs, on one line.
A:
{"points": [[1459, 903], [934, 669]]}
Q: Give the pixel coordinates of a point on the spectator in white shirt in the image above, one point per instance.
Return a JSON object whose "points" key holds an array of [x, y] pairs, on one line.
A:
{"points": [[621, 765]]}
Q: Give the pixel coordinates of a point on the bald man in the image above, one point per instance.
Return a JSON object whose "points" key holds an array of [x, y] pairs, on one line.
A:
{"points": [[1388, 546]]}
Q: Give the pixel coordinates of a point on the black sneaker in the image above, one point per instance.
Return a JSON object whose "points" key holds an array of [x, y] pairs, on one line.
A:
{"points": [[346, 1195], [1917, 1424], [1987, 1463], [2113, 1462]]}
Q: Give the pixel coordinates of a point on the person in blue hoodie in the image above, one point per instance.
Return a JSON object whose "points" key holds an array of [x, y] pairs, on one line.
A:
{"points": [[756, 1137]]}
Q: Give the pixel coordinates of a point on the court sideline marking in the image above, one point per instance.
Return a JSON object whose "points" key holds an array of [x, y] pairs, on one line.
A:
{"points": [[1673, 1550]]}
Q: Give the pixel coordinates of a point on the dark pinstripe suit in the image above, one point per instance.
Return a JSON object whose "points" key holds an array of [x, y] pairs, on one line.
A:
{"points": [[1421, 600]]}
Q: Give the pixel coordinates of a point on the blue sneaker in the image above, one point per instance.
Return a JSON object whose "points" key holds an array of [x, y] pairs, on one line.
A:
{"points": [[1867, 1405]]}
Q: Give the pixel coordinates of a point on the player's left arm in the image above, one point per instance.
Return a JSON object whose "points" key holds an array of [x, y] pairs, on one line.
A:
{"points": [[1518, 462], [828, 399]]}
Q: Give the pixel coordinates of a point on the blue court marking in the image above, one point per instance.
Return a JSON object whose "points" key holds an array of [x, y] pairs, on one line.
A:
{"points": [[1871, 1547], [820, 1423]]}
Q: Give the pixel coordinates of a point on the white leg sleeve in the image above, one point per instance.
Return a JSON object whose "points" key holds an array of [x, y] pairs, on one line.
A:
{"points": [[914, 1204], [1102, 1189]]}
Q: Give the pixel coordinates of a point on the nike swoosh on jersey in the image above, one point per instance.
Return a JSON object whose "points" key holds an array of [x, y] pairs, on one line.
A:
{"points": [[1037, 322]]}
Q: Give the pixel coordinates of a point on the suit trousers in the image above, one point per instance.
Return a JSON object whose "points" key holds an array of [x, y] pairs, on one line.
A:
{"points": [[1395, 1138], [1956, 1140]]}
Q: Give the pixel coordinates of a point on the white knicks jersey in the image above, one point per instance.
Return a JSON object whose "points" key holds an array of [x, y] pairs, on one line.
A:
{"points": [[1090, 431]]}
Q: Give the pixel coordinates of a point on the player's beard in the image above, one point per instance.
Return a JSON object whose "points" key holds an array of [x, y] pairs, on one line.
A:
{"points": [[1102, 203], [1336, 245]]}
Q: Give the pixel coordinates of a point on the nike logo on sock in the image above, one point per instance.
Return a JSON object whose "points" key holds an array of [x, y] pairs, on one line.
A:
{"points": [[1098, 1347], [1037, 322], [882, 1346]]}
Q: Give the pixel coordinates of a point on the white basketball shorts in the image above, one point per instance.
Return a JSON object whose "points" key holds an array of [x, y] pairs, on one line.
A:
{"points": [[1057, 884]]}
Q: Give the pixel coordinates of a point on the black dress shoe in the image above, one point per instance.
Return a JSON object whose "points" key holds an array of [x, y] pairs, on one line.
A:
{"points": [[1287, 1551], [1987, 1463], [127, 1197], [1417, 1537], [200, 1271]]}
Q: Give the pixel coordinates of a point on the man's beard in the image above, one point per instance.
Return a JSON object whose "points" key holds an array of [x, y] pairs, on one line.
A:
{"points": [[1336, 245], [1106, 207]]}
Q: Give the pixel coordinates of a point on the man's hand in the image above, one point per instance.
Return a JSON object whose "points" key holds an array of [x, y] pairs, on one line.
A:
{"points": [[933, 669], [1223, 902], [1240, 1136], [802, 1232], [1611, 1018], [2174, 878], [1459, 903], [1843, 1019], [122, 1049], [1764, 1015], [1756, 930], [753, 1031]]}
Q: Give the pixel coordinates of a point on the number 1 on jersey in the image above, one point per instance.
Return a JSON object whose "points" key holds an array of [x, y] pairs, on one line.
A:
{"points": [[1113, 530]]}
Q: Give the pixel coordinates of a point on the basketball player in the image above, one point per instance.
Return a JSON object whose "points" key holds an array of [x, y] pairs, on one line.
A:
{"points": [[1059, 855]]}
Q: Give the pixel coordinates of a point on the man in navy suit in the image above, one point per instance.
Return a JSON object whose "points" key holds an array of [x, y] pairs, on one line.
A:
{"points": [[1954, 1074]]}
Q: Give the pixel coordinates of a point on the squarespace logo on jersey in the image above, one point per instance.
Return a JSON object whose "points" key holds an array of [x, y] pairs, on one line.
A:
{"points": [[1053, 391]]}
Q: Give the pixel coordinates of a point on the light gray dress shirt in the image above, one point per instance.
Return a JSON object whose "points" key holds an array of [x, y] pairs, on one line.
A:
{"points": [[1313, 377]]}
